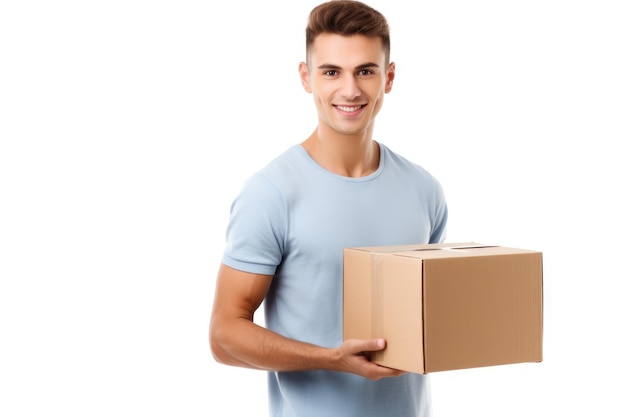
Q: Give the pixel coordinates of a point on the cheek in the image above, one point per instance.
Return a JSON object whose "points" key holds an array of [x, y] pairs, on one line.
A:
{"points": [[377, 93], [322, 92]]}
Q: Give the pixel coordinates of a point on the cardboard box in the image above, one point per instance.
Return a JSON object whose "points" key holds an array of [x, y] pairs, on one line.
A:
{"points": [[445, 306]]}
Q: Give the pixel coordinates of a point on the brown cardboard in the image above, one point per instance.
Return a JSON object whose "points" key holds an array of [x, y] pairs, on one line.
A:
{"points": [[445, 306]]}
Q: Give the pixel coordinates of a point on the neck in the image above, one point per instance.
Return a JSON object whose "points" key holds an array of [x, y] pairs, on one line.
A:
{"points": [[352, 156]]}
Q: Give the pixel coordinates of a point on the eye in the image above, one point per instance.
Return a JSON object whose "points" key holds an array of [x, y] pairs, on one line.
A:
{"points": [[366, 72], [331, 73]]}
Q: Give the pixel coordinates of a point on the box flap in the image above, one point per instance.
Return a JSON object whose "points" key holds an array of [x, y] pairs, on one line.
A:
{"points": [[462, 251], [416, 247]]}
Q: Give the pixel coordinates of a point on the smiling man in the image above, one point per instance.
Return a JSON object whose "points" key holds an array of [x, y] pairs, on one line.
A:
{"points": [[348, 77], [291, 221]]}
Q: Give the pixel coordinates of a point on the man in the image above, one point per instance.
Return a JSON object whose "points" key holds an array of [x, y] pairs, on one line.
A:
{"points": [[289, 224]]}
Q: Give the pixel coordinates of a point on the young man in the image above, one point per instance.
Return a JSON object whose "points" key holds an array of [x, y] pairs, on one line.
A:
{"points": [[289, 224]]}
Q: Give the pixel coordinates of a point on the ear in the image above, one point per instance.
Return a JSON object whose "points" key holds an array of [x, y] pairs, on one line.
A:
{"points": [[304, 76], [391, 75]]}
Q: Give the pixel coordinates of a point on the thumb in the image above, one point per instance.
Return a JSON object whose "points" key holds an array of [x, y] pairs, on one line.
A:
{"points": [[376, 344]]}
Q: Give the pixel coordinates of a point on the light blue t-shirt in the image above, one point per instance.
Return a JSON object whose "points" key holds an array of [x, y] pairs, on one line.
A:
{"points": [[292, 220]]}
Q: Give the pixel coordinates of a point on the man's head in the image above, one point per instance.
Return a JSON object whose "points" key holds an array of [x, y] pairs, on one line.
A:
{"points": [[347, 68], [347, 17]]}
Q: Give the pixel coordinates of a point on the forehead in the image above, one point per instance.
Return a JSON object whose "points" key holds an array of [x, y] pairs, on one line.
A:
{"points": [[346, 51]]}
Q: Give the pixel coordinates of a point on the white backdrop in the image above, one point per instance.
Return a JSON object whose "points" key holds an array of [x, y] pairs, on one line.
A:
{"points": [[126, 128]]}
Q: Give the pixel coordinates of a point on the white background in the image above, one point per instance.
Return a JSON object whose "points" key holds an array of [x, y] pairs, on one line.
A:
{"points": [[126, 128]]}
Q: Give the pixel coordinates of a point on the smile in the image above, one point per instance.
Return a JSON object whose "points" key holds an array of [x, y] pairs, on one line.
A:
{"points": [[349, 108]]}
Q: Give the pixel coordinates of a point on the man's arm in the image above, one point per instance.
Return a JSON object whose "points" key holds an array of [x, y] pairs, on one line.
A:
{"points": [[236, 340]]}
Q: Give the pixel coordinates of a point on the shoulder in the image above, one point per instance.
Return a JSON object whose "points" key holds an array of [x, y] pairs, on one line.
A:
{"points": [[287, 173], [277, 179], [289, 161], [395, 161]]}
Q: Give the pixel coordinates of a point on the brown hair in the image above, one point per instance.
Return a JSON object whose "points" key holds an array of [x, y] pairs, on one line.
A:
{"points": [[347, 17]]}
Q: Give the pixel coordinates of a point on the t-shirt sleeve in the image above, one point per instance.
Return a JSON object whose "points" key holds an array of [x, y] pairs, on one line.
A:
{"points": [[439, 214], [256, 230]]}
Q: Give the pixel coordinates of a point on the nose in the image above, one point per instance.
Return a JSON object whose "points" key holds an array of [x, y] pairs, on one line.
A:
{"points": [[350, 87]]}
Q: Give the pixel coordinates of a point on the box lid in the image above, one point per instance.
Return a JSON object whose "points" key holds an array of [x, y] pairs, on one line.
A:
{"points": [[444, 250]]}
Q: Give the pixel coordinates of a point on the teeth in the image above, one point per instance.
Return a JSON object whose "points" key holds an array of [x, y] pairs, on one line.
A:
{"points": [[348, 108]]}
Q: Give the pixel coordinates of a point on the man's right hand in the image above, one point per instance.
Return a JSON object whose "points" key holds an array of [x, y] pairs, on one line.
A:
{"points": [[353, 356]]}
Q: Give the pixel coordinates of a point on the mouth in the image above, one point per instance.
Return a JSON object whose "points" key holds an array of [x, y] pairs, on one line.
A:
{"points": [[349, 109]]}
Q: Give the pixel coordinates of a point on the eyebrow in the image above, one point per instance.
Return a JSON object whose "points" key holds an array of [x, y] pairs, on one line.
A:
{"points": [[362, 66]]}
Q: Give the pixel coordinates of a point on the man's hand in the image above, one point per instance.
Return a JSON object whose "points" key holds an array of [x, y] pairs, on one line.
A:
{"points": [[353, 356]]}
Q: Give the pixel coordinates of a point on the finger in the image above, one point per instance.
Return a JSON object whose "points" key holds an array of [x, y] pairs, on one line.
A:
{"points": [[389, 372], [374, 345]]}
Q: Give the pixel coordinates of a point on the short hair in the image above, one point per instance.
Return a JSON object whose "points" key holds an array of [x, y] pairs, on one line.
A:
{"points": [[347, 17]]}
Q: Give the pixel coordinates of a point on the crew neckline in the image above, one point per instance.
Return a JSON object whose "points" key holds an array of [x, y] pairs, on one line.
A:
{"points": [[369, 177]]}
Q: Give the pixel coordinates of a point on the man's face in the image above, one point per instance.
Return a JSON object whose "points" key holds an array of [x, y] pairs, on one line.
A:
{"points": [[348, 79]]}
